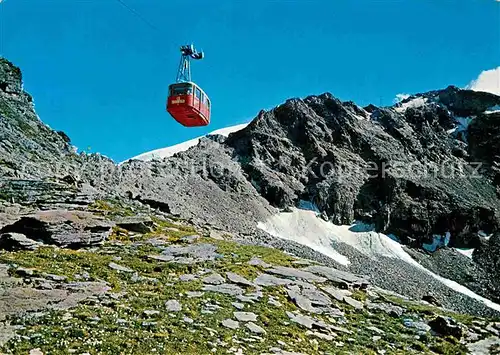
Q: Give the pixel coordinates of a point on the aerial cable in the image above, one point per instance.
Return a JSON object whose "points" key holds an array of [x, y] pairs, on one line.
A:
{"points": [[138, 15]]}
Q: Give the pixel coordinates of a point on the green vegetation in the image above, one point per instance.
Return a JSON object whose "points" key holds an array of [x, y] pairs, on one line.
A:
{"points": [[119, 323], [112, 208]]}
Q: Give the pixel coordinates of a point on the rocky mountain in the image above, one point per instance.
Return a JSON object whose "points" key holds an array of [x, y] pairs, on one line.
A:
{"points": [[320, 227]]}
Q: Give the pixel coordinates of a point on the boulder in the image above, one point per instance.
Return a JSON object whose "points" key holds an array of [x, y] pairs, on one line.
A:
{"points": [[447, 326], [138, 224], [62, 228], [17, 241]]}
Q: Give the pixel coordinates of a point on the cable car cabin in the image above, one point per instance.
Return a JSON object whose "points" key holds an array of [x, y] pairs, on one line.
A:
{"points": [[188, 104]]}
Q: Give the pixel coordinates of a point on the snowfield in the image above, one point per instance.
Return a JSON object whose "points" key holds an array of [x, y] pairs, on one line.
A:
{"points": [[467, 252], [416, 102], [306, 228], [170, 151]]}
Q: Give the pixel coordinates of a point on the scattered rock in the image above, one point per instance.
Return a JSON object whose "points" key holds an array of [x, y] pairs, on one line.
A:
{"points": [[301, 301], [296, 274], [254, 328], [190, 238], [173, 306], [319, 335], [238, 305], [337, 276], [150, 313], [237, 279], [354, 303], [56, 278], [392, 310], [121, 268], [376, 330], [199, 252], [245, 316], [258, 262], [194, 294], [161, 257], [138, 224], [303, 320], [418, 325], [227, 289], [231, 324], [483, 346], [447, 326], [63, 228], [214, 279], [187, 277], [270, 280], [338, 294], [17, 241], [274, 302]]}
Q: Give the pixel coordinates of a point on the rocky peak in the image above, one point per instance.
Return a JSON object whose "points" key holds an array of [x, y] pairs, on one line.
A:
{"points": [[29, 149], [463, 103], [10, 78], [388, 165]]}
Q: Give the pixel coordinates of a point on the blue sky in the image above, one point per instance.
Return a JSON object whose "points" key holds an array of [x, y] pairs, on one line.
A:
{"points": [[100, 74]]}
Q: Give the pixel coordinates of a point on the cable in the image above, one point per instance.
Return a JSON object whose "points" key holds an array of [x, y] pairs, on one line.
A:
{"points": [[138, 15]]}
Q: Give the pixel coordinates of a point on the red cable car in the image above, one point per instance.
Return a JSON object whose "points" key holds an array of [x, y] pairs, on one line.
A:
{"points": [[187, 102]]}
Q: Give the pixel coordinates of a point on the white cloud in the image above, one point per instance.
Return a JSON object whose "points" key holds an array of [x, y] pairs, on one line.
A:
{"points": [[401, 97], [488, 81]]}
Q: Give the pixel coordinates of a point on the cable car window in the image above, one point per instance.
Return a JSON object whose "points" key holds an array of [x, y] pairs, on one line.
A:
{"points": [[198, 93], [202, 98], [181, 90]]}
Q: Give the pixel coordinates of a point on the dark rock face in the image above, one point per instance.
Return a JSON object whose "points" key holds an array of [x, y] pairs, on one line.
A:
{"points": [[484, 143], [487, 255], [16, 241], [399, 168], [446, 326], [62, 228]]}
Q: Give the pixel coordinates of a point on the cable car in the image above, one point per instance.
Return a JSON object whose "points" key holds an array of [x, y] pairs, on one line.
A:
{"points": [[187, 103]]}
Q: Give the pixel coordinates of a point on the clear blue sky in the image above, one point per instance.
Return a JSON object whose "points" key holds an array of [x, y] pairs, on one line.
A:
{"points": [[100, 74]]}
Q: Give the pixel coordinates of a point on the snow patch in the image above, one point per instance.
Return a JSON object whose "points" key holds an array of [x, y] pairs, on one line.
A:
{"points": [[493, 109], [416, 102], [170, 151], [467, 252], [306, 228], [462, 125], [484, 235], [400, 97]]}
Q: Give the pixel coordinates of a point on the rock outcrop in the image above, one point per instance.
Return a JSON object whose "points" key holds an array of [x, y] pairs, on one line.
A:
{"points": [[403, 168]]}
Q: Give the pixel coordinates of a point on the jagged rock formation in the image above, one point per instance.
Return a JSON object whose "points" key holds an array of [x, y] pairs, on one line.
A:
{"points": [[28, 148], [401, 168]]}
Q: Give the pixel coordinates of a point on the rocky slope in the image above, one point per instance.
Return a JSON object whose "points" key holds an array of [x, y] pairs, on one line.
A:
{"points": [[154, 255], [407, 169]]}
